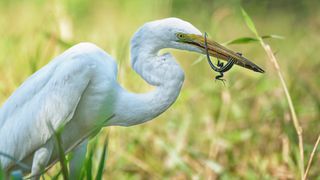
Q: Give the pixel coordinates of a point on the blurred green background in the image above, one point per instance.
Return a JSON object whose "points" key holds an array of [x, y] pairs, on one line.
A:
{"points": [[239, 131]]}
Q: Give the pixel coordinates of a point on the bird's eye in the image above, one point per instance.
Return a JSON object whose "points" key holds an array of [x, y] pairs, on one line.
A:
{"points": [[180, 35]]}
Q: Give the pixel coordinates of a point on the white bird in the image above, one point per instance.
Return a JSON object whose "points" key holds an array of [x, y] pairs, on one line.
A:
{"points": [[79, 90]]}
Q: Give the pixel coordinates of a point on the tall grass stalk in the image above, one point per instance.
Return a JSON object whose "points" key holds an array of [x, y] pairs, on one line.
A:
{"points": [[275, 64], [295, 120]]}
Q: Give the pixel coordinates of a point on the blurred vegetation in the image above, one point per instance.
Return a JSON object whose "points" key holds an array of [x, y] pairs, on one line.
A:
{"points": [[239, 131]]}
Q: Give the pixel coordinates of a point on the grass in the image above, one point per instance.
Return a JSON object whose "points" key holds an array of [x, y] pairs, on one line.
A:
{"points": [[242, 130], [295, 121]]}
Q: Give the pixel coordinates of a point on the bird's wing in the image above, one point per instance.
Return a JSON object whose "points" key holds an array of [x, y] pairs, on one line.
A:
{"points": [[50, 96]]}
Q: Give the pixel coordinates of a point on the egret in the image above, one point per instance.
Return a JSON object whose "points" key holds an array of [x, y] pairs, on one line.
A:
{"points": [[79, 90]]}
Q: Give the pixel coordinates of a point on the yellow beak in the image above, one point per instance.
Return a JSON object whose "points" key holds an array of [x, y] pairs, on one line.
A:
{"points": [[220, 52]]}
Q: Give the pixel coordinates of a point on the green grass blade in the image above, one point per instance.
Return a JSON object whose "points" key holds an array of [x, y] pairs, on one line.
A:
{"points": [[249, 22], [88, 164], [245, 40], [56, 176], [89, 167], [77, 160], [61, 155], [1, 173], [242, 40], [273, 36], [102, 159]]}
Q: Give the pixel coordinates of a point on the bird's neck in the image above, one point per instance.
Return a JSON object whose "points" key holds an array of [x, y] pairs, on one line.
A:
{"points": [[161, 71]]}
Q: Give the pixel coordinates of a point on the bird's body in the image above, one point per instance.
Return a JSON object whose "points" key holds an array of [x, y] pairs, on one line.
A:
{"points": [[72, 89], [79, 90], [84, 105]]}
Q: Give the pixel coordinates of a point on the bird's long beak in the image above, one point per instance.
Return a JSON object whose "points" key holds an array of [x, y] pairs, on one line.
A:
{"points": [[220, 52]]}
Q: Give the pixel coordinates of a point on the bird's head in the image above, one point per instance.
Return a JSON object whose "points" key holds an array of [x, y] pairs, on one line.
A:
{"points": [[179, 34]]}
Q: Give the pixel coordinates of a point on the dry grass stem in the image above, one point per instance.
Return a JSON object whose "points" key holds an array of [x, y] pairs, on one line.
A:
{"points": [[311, 158], [295, 120]]}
